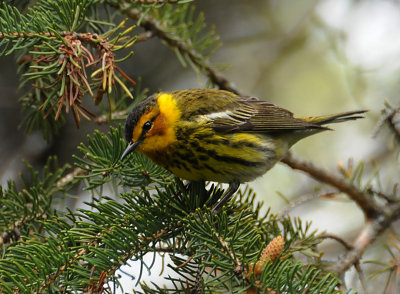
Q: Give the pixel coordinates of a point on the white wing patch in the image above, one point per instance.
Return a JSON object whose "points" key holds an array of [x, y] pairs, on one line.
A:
{"points": [[216, 115]]}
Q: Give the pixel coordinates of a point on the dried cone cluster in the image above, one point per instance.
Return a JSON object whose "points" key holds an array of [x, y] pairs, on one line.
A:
{"points": [[273, 250]]}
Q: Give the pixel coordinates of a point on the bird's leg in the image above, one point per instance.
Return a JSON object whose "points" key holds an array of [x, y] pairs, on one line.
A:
{"points": [[233, 187]]}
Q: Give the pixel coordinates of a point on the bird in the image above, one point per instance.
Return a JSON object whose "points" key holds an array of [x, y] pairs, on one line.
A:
{"points": [[215, 135]]}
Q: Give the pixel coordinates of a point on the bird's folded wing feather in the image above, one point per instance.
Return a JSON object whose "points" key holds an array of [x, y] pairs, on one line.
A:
{"points": [[251, 115]]}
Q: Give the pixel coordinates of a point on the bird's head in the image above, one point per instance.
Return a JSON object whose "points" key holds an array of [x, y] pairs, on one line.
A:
{"points": [[150, 127]]}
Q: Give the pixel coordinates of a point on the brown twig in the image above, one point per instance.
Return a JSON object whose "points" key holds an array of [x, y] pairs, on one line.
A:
{"points": [[372, 229], [379, 217], [361, 277], [347, 245], [52, 277], [238, 264], [304, 199], [184, 263], [367, 235], [364, 201]]}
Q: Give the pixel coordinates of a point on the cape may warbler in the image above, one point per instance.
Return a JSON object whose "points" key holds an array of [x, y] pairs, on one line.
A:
{"points": [[215, 135]]}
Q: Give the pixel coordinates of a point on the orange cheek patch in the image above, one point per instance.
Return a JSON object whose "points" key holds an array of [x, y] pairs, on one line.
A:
{"points": [[159, 126], [161, 136]]}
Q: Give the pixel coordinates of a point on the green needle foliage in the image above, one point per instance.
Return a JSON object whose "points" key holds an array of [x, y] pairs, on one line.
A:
{"points": [[22, 212], [101, 163], [68, 50], [78, 251]]}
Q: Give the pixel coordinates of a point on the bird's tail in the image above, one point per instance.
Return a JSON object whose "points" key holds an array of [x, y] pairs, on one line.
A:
{"points": [[335, 118]]}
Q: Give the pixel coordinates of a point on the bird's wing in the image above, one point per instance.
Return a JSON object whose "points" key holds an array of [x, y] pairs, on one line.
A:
{"points": [[252, 115]]}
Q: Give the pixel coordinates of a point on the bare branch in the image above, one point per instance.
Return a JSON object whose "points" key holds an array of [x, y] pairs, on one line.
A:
{"points": [[361, 277], [372, 229], [339, 239], [363, 200], [304, 199], [366, 236]]}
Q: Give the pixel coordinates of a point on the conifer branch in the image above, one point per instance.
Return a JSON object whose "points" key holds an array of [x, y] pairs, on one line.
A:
{"points": [[50, 279], [185, 47], [59, 57], [72, 80], [391, 118], [238, 266]]}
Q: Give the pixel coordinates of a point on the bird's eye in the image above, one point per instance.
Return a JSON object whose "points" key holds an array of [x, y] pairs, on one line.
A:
{"points": [[147, 126]]}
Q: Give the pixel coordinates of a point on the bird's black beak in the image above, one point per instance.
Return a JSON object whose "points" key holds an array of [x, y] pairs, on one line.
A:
{"points": [[130, 148]]}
